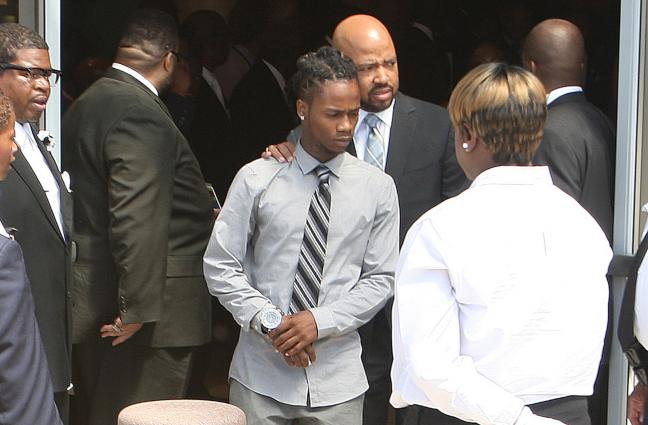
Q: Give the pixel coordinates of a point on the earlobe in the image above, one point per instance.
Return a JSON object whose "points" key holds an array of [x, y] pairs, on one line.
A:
{"points": [[301, 108], [468, 139]]}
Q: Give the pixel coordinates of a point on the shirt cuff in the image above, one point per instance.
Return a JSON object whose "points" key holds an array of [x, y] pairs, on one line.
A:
{"points": [[255, 323], [324, 321]]}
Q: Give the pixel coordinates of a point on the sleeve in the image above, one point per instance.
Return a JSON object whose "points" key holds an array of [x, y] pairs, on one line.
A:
{"points": [[26, 394], [376, 282], [428, 367], [454, 180], [140, 156], [558, 154], [226, 251]]}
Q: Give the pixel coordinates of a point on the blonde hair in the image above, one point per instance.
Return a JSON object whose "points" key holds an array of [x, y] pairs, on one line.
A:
{"points": [[505, 107]]}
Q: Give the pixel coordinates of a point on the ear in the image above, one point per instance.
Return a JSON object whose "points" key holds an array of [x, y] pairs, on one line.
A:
{"points": [[167, 62], [301, 108], [467, 134]]}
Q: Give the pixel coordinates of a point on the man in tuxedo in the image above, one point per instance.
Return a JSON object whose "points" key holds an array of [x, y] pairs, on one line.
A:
{"points": [[578, 143], [417, 151], [143, 219], [34, 199], [26, 394]]}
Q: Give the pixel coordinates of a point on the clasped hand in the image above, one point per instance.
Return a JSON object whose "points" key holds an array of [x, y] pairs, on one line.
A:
{"points": [[294, 338], [119, 330]]}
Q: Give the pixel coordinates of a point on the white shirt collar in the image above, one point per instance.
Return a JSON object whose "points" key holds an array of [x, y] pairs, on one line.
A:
{"points": [[3, 231], [385, 115], [561, 91], [139, 77], [24, 135], [275, 72], [511, 174]]}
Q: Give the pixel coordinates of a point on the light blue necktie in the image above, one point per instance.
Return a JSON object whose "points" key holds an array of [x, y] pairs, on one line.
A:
{"points": [[375, 149]]}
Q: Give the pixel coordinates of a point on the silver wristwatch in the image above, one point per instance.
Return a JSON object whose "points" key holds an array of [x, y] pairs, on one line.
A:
{"points": [[270, 319]]}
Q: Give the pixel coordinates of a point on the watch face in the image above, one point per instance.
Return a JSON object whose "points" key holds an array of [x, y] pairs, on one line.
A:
{"points": [[270, 319]]}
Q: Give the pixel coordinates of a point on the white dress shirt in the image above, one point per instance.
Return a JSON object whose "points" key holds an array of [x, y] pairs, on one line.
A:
{"points": [[641, 296], [251, 261], [384, 128], [561, 91], [500, 300], [27, 145], [213, 83]]}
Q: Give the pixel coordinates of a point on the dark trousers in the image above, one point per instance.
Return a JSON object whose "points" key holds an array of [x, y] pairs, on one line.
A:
{"points": [[62, 401], [107, 379], [569, 410], [377, 359]]}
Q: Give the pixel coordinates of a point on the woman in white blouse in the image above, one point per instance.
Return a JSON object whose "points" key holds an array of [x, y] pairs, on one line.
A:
{"points": [[501, 298]]}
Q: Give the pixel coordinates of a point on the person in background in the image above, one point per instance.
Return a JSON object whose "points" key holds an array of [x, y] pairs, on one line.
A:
{"points": [[35, 199], [26, 394], [412, 142], [302, 255], [500, 305], [142, 222]]}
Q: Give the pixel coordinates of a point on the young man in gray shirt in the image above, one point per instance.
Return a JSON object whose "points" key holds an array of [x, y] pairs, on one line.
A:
{"points": [[302, 254]]}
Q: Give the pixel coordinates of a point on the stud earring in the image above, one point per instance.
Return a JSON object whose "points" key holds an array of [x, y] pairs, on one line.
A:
{"points": [[301, 117], [465, 146]]}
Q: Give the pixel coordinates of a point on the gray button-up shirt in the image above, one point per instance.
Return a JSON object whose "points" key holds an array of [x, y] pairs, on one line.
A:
{"points": [[252, 257]]}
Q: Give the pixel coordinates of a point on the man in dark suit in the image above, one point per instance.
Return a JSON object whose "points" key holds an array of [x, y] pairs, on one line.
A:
{"points": [[210, 131], [143, 219], [578, 143], [418, 153], [26, 394], [261, 113], [34, 199]]}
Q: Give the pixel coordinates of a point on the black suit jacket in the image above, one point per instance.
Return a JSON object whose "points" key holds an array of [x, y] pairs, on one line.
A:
{"points": [[578, 147], [142, 217], [420, 158], [211, 139], [24, 206], [26, 395], [260, 114]]}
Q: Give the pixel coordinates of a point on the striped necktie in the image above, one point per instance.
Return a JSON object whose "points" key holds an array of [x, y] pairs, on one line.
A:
{"points": [[313, 250], [375, 145]]}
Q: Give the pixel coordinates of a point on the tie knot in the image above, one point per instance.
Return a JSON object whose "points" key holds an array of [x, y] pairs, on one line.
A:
{"points": [[372, 121], [322, 173]]}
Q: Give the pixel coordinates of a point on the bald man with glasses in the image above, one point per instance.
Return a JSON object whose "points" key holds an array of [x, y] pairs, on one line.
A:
{"points": [[34, 200]]}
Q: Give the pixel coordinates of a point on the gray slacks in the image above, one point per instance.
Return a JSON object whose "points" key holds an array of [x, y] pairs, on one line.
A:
{"points": [[262, 410]]}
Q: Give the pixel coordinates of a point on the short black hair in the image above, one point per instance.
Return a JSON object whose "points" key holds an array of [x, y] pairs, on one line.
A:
{"points": [[152, 31], [314, 68], [6, 111], [15, 37]]}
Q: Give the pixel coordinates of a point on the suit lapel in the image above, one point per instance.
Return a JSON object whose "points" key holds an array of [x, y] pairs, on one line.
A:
{"points": [[24, 170], [400, 139], [64, 196]]}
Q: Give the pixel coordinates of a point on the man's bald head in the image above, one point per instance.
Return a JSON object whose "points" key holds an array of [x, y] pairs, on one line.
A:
{"points": [[366, 41], [555, 52]]}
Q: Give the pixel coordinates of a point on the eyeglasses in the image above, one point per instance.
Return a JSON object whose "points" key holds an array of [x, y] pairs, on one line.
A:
{"points": [[370, 68], [32, 74]]}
